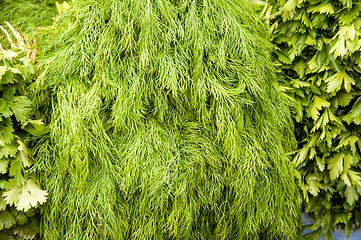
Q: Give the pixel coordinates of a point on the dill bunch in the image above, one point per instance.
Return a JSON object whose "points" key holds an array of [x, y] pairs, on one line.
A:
{"points": [[166, 123], [25, 14]]}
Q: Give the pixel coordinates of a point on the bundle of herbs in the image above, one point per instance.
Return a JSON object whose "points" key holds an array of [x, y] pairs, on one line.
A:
{"points": [[318, 52], [27, 14], [20, 192], [165, 124]]}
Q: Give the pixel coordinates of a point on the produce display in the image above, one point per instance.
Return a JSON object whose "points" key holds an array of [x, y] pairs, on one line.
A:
{"points": [[168, 119], [27, 15], [165, 123], [318, 52]]}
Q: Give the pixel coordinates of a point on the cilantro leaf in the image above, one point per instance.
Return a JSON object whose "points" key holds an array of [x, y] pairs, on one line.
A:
{"points": [[7, 220], [6, 134], [2, 202], [21, 107], [8, 150], [23, 154], [336, 165], [351, 195], [35, 127], [317, 104], [26, 196], [4, 163], [16, 171]]}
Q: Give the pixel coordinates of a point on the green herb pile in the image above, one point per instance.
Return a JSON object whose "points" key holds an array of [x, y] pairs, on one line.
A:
{"points": [[20, 192], [25, 15], [319, 53], [165, 124]]}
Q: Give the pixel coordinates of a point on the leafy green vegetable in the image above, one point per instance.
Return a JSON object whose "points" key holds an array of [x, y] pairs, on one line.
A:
{"points": [[26, 15], [318, 44], [25, 195], [18, 186], [165, 123]]}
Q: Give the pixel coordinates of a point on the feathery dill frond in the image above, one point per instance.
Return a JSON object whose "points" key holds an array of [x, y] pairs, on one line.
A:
{"points": [[26, 15], [166, 124]]}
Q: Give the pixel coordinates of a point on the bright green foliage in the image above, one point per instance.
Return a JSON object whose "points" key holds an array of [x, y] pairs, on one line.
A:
{"points": [[27, 14], [19, 193], [165, 124], [319, 53]]}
